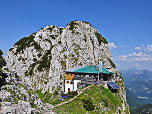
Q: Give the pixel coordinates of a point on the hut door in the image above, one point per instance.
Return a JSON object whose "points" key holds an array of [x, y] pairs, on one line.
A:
{"points": [[68, 89]]}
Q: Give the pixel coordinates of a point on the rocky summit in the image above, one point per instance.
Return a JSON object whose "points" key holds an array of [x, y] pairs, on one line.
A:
{"points": [[33, 78], [41, 58]]}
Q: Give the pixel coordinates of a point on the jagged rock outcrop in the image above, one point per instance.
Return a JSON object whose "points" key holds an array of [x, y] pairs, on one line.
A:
{"points": [[41, 58], [21, 108], [18, 97]]}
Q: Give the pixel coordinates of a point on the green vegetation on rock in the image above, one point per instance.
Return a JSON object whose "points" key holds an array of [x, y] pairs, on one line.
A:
{"points": [[72, 24], [1, 52], [87, 23], [100, 38], [2, 63], [51, 28], [44, 97], [63, 64], [26, 42], [45, 61], [113, 65], [31, 69], [61, 30]]}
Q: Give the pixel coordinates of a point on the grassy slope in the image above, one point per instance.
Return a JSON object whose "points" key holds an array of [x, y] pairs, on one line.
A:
{"points": [[98, 95]]}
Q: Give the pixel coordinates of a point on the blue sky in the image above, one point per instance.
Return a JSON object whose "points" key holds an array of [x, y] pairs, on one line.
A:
{"points": [[127, 25]]}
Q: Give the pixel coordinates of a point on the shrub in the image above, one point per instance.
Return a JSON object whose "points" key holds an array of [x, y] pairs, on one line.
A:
{"points": [[40, 36], [113, 65], [40, 95], [88, 105], [34, 59], [59, 42], [63, 64], [33, 105], [39, 55], [26, 42], [55, 93], [100, 38], [48, 40], [60, 29], [11, 49], [72, 24], [31, 69], [50, 29], [72, 94], [45, 61], [105, 100], [87, 23], [53, 36], [1, 53]]}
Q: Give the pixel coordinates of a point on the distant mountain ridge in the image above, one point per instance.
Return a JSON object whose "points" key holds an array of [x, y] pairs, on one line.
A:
{"points": [[143, 109], [136, 75], [138, 83]]}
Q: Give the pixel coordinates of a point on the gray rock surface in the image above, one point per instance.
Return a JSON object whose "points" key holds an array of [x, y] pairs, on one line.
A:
{"points": [[4, 94], [55, 49], [21, 108], [76, 44]]}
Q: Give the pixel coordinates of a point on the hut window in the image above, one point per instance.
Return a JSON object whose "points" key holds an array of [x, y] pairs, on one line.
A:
{"points": [[67, 82]]}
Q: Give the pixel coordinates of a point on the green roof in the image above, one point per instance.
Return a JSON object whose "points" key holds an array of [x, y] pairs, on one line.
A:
{"points": [[105, 71], [92, 69], [87, 69]]}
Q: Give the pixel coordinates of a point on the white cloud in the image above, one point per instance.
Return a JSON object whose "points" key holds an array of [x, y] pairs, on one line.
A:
{"points": [[136, 54], [149, 48], [140, 59], [117, 58], [138, 48], [134, 57], [140, 54], [123, 56], [112, 45]]}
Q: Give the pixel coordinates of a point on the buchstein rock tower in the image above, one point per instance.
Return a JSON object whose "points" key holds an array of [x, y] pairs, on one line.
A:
{"points": [[35, 66], [41, 58]]}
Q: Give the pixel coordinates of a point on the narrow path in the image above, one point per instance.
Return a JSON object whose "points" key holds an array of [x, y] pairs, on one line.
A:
{"points": [[73, 97]]}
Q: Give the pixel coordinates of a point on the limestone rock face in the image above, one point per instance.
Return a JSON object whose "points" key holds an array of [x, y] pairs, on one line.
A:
{"points": [[4, 94], [41, 58], [20, 108]]}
